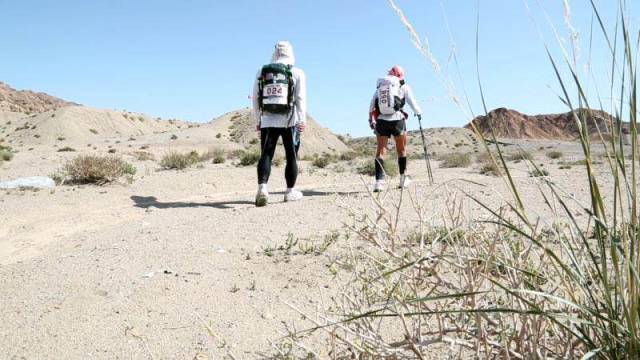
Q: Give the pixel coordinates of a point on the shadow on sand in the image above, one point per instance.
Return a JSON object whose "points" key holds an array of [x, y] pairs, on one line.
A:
{"points": [[145, 202]]}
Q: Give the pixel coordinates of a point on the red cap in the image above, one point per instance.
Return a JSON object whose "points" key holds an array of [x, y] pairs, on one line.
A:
{"points": [[397, 71]]}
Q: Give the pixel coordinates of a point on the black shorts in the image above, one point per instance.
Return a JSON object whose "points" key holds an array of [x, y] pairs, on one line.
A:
{"points": [[390, 128]]}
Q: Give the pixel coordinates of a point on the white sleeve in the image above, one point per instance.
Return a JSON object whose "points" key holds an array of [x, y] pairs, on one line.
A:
{"points": [[411, 100], [372, 106], [255, 97], [300, 93]]}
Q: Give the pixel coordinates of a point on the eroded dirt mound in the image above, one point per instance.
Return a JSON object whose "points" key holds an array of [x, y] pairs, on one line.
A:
{"points": [[239, 127]]}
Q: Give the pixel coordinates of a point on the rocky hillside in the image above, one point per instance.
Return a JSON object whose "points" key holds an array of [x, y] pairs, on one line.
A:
{"points": [[28, 102], [511, 124]]}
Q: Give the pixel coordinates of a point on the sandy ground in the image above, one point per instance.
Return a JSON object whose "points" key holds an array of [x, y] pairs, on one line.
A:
{"points": [[173, 265]]}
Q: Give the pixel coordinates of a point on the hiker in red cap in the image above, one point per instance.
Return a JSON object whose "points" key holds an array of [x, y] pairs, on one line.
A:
{"points": [[387, 118]]}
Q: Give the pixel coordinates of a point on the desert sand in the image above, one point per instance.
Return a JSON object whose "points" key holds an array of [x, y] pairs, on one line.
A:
{"points": [[181, 264]]}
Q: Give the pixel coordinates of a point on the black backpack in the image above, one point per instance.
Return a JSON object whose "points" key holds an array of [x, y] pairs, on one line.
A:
{"points": [[276, 88]]}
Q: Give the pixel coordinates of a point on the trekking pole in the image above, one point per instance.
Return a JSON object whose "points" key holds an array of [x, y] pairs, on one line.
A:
{"points": [[426, 153]]}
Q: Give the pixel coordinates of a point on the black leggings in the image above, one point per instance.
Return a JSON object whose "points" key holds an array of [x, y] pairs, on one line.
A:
{"points": [[269, 140]]}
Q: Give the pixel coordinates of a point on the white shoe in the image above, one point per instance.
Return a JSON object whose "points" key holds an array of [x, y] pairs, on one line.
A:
{"points": [[293, 195], [378, 186], [405, 181], [262, 198]]}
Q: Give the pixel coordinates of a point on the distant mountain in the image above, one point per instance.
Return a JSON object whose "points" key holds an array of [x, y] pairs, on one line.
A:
{"points": [[511, 124], [28, 102]]}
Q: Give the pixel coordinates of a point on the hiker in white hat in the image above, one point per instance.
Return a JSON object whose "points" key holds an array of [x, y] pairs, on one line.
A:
{"points": [[280, 110]]}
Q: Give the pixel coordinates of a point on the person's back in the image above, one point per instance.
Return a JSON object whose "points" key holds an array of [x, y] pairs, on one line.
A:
{"points": [[279, 107], [388, 119]]}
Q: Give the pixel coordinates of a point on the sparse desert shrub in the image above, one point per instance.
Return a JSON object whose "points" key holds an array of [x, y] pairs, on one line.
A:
{"points": [[93, 131], [484, 157], [5, 155], [278, 160], [144, 156], [323, 161], [216, 155], [254, 141], [234, 154], [112, 151], [348, 155], [519, 156], [249, 157], [455, 160], [92, 169], [369, 168], [490, 168], [57, 178], [218, 136], [581, 162], [554, 154], [538, 173], [61, 138], [179, 161], [66, 149], [174, 137]]}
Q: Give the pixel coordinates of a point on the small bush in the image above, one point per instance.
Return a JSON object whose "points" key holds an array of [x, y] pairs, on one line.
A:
{"points": [[174, 137], [144, 156], [519, 156], [57, 178], [321, 162], [5, 155], [218, 136], [554, 154], [278, 161], [66, 149], [216, 155], [369, 168], [484, 157], [490, 168], [249, 157], [93, 131], [61, 138], [179, 161], [348, 156], [455, 160], [538, 173], [234, 154], [91, 169]]}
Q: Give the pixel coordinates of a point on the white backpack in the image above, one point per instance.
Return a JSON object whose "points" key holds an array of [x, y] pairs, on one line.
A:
{"points": [[388, 93]]}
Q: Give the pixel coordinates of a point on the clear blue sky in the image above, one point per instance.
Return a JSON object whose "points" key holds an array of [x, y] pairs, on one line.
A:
{"points": [[196, 59]]}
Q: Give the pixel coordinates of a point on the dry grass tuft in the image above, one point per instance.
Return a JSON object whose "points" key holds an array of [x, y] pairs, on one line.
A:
{"points": [[99, 170]]}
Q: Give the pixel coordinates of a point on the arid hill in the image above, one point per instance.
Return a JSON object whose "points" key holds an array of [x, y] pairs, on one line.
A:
{"points": [[239, 128], [28, 102], [29, 119], [511, 124]]}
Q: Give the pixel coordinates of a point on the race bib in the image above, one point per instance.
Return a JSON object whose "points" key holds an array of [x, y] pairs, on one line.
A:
{"points": [[275, 94]]}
